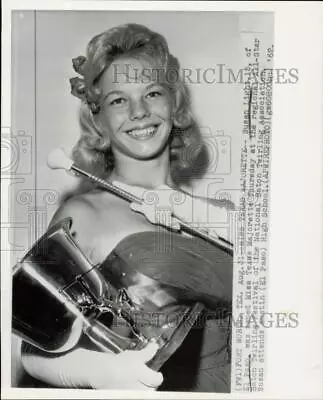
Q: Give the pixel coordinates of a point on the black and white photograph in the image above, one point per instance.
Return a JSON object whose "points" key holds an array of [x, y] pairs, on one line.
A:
{"points": [[138, 172]]}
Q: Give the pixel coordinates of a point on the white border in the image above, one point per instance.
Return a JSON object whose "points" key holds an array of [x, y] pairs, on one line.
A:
{"points": [[294, 356]]}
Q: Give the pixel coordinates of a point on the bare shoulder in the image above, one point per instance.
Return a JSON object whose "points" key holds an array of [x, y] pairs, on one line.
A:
{"points": [[92, 215], [82, 208], [73, 207]]}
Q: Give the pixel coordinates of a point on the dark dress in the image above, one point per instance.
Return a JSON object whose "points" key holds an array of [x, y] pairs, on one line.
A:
{"points": [[198, 271]]}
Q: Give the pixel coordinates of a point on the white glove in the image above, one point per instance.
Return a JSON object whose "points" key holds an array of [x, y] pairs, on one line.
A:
{"points": [[127, 370], [157, 204], [86, 368], [161, 203]]}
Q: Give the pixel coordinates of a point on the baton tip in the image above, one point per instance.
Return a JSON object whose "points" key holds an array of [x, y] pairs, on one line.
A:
{"points": [[57, 159]]}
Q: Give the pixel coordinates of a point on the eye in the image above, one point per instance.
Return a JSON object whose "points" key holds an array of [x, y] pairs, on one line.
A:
{"points": [[154, 94], [118, 101]]}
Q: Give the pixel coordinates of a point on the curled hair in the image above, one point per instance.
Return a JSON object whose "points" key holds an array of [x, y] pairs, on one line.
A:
{"points": [[92, 151]]}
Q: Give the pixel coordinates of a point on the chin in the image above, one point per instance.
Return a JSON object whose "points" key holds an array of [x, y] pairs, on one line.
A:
{"points": [[147, 152]]}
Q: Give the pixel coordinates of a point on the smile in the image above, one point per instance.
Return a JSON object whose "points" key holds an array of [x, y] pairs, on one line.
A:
{"points": [[143, 133]]}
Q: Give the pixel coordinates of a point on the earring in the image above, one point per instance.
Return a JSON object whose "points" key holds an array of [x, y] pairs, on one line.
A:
{"points": [[102, 143], [182, 120]]}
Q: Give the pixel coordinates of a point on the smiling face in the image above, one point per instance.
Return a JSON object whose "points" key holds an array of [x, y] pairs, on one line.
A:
{"points": [[137, 110]]}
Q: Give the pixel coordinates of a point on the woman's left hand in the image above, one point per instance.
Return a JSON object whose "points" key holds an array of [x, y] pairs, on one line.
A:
{"points": [[157, 204]]}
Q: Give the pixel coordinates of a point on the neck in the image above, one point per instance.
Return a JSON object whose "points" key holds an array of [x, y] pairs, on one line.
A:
{"points": [[144, 173]]}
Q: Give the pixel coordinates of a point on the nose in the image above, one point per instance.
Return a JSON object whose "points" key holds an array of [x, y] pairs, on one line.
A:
{"points": [[138, 110]]}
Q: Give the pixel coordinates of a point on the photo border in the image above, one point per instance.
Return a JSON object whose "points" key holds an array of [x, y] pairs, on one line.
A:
{"points": [[295, 201]]}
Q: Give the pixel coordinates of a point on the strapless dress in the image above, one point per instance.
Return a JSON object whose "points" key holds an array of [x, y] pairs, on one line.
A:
{"points": [[196, 271]]}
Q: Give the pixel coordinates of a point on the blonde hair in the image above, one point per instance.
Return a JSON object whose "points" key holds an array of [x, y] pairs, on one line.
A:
{"points": [[92, 152]]}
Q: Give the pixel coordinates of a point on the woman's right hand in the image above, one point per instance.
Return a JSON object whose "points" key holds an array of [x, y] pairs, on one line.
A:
{"points": [[126, 370]]}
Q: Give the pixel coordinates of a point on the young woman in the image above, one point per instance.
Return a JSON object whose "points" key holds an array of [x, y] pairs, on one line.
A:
{"points": [[138, 132]]}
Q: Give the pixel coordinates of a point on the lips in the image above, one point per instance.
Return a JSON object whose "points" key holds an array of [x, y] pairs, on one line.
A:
{"points": [[143, 133]]}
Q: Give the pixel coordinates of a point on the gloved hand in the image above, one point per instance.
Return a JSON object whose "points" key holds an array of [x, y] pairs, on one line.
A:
{"points": [[127, 370], [161, 203], [158, 203], [86, 368]]}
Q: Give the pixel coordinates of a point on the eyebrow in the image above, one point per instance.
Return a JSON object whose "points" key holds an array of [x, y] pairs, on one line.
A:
{"points": [[113, 92], [120, 92]]}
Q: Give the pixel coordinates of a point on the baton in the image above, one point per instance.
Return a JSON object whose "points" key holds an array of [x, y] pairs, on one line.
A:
{"points": [[57, 159]]}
